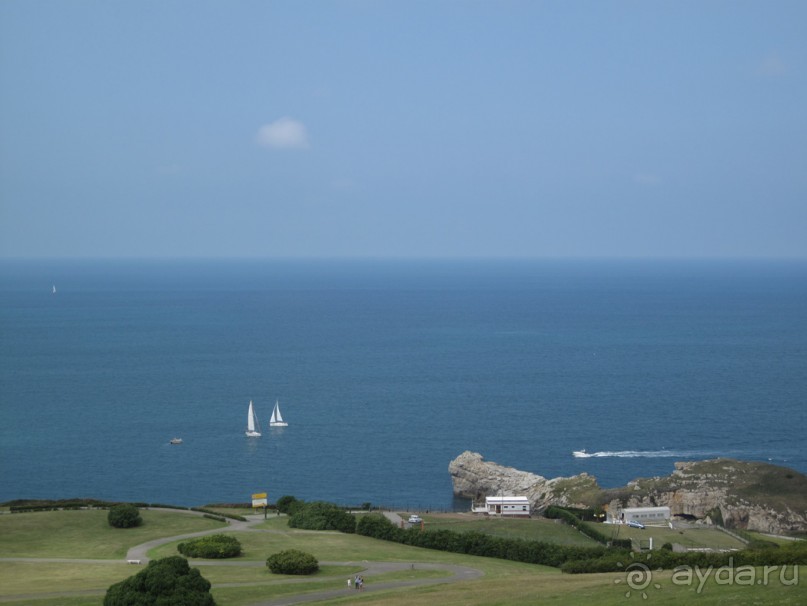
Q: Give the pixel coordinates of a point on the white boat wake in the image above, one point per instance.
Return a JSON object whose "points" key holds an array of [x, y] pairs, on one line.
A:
{"points": [[632, 454]]}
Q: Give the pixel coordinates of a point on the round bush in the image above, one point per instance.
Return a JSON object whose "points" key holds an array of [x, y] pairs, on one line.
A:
{"points": [[124, 516], [213, 546], [292, 561]]}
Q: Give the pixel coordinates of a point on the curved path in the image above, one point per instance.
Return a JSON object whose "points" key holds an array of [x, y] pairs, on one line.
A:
{"points": [[139, 553]]}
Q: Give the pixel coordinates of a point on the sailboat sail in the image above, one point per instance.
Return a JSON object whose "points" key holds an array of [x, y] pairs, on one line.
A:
{"points": [[252, 423], [277, 418]]}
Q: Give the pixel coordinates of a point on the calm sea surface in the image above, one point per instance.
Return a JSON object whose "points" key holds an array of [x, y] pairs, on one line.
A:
{"points": [[386, 371]]}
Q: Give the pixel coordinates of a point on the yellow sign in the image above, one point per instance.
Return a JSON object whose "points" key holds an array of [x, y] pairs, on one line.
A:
{"points": [[259, 495], [259, 500]]}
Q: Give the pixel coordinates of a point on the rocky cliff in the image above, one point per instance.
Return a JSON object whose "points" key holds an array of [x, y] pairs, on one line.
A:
{"points": [[739, 494]]}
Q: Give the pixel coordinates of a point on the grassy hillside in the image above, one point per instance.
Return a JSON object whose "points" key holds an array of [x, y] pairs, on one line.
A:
{"points": [[86, 534], [82, 534], [534, 529]]}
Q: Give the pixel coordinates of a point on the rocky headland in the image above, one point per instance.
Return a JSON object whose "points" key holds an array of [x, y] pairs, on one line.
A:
{"points": [[747, 495]]}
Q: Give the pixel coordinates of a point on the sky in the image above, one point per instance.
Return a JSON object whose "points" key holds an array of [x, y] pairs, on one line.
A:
{"points": [[427, 129]]}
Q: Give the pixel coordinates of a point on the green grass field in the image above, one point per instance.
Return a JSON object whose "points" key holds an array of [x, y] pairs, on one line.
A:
{"points": [[64, 534], [84, 534], [705, 537], [533, 529]]}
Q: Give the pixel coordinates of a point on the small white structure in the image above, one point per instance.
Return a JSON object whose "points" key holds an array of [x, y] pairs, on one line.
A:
{"points": [[643, 515], [505, 506]]}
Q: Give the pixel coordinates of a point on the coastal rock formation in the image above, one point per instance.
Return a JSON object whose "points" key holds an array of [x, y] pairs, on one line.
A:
{"points": [[737, 494], [475, 479]]}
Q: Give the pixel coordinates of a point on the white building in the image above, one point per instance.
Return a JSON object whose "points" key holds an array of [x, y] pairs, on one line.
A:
{"points": [[643, 515], [505, 506]]}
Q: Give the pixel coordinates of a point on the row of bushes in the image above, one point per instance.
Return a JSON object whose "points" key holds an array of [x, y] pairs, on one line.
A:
{"points": [[476, 543], [570, 518], [223, 514], [320, 515], [795, 554]]}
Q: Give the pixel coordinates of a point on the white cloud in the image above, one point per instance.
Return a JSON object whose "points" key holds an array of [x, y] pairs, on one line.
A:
{"points": [[285, 133]]}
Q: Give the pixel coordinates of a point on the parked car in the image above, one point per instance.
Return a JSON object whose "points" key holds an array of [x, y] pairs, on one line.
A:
{"points": [[415, 519], [635, 524]]}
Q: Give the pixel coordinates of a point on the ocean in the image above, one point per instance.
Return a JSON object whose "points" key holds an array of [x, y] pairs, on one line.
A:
{"points": [[386, 371]]}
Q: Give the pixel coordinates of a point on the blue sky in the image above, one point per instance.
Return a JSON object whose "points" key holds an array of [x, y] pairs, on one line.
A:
{"points": [[403, 129]]}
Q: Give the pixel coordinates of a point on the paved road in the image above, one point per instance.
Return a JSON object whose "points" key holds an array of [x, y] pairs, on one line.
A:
{"points": [[369, 569]]}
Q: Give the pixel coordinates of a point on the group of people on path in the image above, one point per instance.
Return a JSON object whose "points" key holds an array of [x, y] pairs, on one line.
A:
{"points": [[358, 582]]}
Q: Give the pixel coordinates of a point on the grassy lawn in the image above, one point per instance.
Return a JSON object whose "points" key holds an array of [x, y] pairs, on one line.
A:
{"points": [[42, 577], [535, 529], [86, 534], [584, 590], [690, 537], [772, 539], [335, 546]]}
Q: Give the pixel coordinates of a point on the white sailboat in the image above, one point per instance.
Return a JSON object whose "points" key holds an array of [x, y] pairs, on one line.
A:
{"points": [[252, 423], [277, 419]]}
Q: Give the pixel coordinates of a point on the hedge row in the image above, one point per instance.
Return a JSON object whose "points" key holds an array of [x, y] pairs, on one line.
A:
{"points": [[559, 513], [795, 554], [320, 515], [232, 516], [476, 543]]}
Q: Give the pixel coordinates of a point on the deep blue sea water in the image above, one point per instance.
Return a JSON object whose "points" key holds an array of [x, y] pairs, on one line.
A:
{"points": [[386, 371]]}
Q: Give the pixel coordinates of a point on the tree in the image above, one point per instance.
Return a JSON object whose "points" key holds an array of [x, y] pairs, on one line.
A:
{"points": [[124, 516], [286, 503], [166, 582]]}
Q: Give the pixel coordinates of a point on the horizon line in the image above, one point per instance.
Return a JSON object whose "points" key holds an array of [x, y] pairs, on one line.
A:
{"points": [[397, 258]]}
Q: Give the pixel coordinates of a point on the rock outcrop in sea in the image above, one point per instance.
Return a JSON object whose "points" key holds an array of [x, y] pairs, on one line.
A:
{"points": [[748, 495]]}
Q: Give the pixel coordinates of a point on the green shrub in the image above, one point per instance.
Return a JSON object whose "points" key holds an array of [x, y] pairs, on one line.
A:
{"points": [[376, 526], [292, 561], [124, 516], [214, 546], [320, 515], [163, 582]]}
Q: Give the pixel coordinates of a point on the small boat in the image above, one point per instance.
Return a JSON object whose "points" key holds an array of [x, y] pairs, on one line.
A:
{"points": [[277, 419], [252, 423], [580, 454], [54, 289], [175, 441]]}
